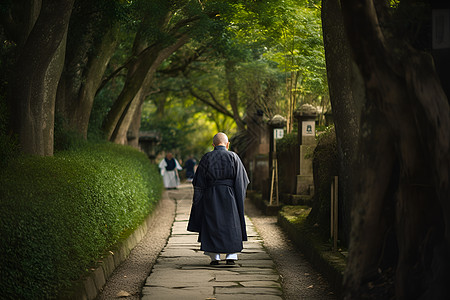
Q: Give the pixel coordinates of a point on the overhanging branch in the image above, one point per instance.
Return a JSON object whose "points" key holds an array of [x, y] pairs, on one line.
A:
{"points": [[214, 104]]}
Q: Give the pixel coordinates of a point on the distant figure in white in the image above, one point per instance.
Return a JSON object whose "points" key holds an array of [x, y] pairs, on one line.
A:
{"points": [[169, 167]]}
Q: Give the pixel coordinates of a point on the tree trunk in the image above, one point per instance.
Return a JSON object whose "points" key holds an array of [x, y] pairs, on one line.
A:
{"points": [[80, 81], [135, 78], [135, 125], [233, 93], [347, 98], [35, 78], [138, 69], [400, 238], [120, 133], [18, 19]]}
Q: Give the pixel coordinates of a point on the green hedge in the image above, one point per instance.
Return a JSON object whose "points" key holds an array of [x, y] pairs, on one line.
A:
{"points": [[59, 214]]}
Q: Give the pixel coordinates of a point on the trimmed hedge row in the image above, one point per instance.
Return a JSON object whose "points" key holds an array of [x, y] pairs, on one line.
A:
{"points": [[59, 214]]}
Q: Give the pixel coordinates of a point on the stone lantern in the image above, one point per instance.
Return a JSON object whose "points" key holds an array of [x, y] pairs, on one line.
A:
{"points": [[306, 116], [147, 143]]}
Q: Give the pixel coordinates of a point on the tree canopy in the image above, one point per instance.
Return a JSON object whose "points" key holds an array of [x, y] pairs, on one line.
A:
{"points": [[114, 56]]}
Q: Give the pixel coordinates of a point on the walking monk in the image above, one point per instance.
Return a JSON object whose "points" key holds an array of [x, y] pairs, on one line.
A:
{"points": [[217, 213], [169, 167]]}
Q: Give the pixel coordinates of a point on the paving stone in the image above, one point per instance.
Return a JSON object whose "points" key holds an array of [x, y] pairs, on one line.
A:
{"points": [[186, 233], [265, 263], [261, 284], [253, 244], [253, 250], [183, 224], [180, 278], [259, 271], [182, 217], [254, 256], [247, 297], [247, 290], [251, 231], [178, 252], [193, 247], [246, 277], [183, 239], [167, 262], [162, 293], [254, 239]]}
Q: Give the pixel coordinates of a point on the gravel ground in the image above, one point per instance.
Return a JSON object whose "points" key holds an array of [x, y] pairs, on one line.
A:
{"points": [[299, 279]]}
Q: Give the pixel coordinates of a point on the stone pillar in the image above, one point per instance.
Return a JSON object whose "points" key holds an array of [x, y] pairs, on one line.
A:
{"points": [[256, 157], [306, 116]]}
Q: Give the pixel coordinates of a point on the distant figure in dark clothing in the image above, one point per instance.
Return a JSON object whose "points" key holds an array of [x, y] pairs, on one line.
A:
{"points": [[169, 167], [189, 165], [217, 212]]}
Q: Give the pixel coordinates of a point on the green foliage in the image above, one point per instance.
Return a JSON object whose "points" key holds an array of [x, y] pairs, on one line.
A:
{"points": [[260, 85], [172, 137], [8, 145], [184, 130], [59, 214], [288, 162], [66, 139], [297, 47], [102, 104], [257, 37], [284, 144]]}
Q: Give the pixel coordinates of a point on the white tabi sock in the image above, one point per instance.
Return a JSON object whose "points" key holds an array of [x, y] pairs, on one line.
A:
{"points": [[232, 256], [214, 256]]}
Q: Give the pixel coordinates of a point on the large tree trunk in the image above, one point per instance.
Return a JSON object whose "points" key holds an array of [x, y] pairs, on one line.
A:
{"points": [[135, 126], [120, 132], [135, 78], [18, 19], [35, 78], [347, 98], [400, 241], [86, 61]]}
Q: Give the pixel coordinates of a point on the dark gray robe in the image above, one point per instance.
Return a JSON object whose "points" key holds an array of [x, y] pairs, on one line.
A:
{"points": [[217, 213]]}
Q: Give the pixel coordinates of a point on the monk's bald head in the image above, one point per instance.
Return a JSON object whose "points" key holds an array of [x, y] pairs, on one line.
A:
{"points": [[220, 139]]}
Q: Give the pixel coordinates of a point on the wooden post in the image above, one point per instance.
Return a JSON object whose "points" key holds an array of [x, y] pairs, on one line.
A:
{"points": [[334, 212], [271, 184], [276, 178], [274, 181]]}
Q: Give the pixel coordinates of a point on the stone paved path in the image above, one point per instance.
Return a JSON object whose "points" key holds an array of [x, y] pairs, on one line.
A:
{"points": [[182, 271]]}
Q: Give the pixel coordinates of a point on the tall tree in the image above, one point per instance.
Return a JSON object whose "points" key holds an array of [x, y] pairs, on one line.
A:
{"points": [[400, 240], [347, 98], [297, 48], [92, 39], [165, 27], [41, 40], [131, 113]]}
